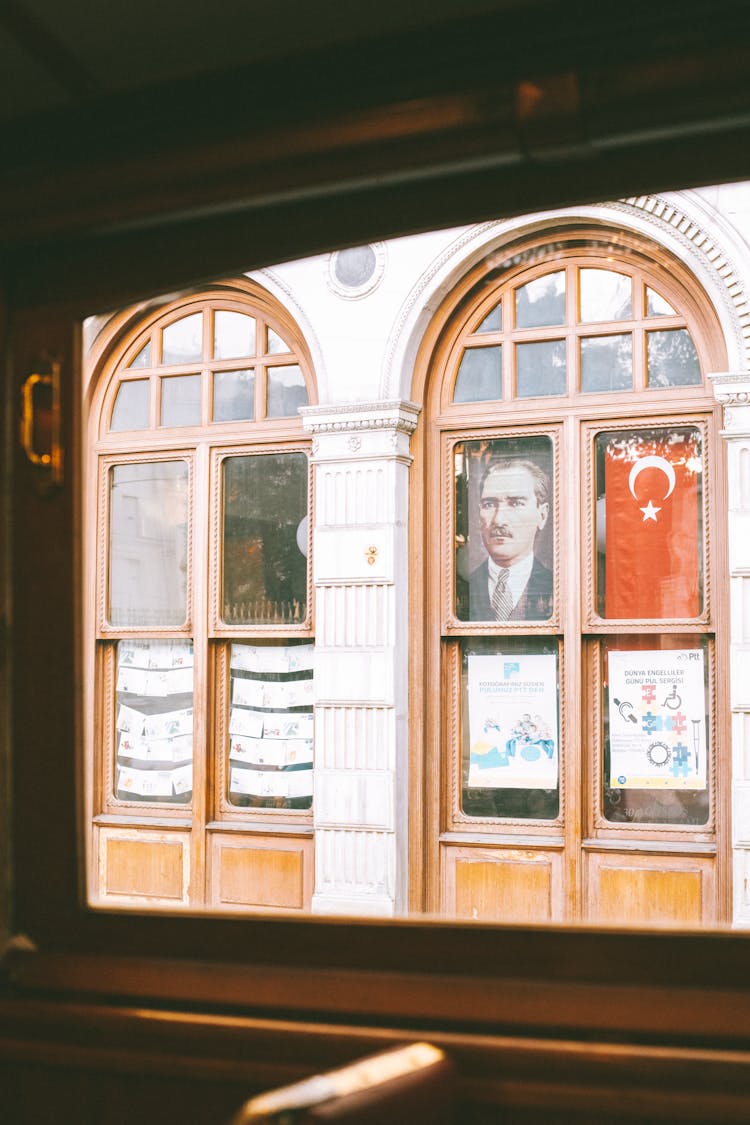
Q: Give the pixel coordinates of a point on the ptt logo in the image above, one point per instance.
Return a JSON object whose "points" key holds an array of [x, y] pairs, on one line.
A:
{"points": [[510, 669]]}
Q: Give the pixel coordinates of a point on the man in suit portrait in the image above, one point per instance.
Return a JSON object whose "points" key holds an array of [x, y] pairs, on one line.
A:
{"points": [[512, 584]]}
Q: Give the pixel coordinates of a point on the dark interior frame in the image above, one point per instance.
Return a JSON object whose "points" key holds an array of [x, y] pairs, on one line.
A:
{"points": [[542, 107]]}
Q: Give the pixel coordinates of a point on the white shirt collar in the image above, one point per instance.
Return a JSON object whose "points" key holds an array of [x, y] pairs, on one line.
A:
{"points": [[518, 576]]}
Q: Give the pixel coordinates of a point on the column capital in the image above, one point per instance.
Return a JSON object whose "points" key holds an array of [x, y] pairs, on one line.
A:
{"points": [[348, 417], [732, 390], [361, 430]]}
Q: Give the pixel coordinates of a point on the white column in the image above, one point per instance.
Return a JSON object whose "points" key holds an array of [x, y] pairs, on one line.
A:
{"points": [[733, 391], [361, 462]]}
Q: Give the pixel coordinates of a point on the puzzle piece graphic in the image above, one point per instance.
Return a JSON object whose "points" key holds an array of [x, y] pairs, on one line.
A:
{"points": [[652, 723], [676, 723], [679, 767], [648, 693]]}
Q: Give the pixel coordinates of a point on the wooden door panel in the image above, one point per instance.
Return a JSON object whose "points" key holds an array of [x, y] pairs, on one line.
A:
{"points": [[260, 872], [502, 884], [143, 866], [651, 889]]}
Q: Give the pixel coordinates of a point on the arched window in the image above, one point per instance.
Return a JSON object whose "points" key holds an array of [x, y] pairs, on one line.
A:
{"points": [[201, 672], [572, 623]]}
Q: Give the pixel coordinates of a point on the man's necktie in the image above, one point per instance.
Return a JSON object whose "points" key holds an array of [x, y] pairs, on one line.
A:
{"points": [[502, 602]]}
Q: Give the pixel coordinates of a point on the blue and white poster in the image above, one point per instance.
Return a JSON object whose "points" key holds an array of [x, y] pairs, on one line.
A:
{"points": [[513, 722], [657, 720]]}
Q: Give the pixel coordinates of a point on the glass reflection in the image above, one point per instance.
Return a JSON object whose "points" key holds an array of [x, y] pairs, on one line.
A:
{"points": [[234, 396], [656, 305], [181, 400], [182, 342], [276, 346], [265, 539], [143, 359], [605, 295], [131, 409], [148, 513], [493, 322], [479, 376], [286, 391], [672, 359], [154, 721], [234, 335], [541, 302], [607, 363], [541, 369]]}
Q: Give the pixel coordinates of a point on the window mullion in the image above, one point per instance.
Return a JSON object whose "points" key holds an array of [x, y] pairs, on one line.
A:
{"points": [[198, 602]]}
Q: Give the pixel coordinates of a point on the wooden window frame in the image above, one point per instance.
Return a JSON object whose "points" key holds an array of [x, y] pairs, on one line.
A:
{"points": [[197, 826], [574, 418]]}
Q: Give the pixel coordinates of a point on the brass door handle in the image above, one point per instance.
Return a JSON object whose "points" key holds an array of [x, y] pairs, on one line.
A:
{"points": [[51, 458]]}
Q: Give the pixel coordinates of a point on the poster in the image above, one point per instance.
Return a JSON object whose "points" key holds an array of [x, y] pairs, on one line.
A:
{"points": [[657, 720], [273, 658], [513, 722]]}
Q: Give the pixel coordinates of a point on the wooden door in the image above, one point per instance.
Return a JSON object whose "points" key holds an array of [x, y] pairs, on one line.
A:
{"points": [[575, 633]]}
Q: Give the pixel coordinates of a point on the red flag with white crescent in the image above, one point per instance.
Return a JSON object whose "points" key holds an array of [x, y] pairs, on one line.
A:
{"points": [[652, 538]]}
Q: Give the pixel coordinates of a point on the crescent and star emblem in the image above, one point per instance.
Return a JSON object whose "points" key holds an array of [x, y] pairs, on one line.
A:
{"points": [[661, 463]]}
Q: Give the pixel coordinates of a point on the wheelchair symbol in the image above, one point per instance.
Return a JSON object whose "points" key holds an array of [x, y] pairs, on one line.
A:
{"points": [[673, 700]]}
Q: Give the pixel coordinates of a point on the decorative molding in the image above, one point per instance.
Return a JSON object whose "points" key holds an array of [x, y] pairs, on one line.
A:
{"points": [[417, 296], [395, 414], [731, 388], [728, 279]]}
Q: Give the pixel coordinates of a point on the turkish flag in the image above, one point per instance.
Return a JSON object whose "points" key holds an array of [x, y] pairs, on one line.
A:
{"points": [[652, 530]]}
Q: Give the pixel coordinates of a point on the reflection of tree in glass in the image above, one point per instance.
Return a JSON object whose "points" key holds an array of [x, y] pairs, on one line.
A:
{"points": [[541, 301], [680, 447], [672, 359], [607, 363], [265, 573]]}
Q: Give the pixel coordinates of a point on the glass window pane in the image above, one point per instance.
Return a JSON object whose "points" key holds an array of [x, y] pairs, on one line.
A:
{"points": [[510, 746], [607, 363], [655, 718], [286, 391], [605, 295], [504, 533], [541, 369], [656, 305], [270, 743], [276, 346], [182, 342], [148, 514], [154, 721], [181, 400], [541, 301], [649, 528], [131, 410], [143, 359], [265, 539], [234, 396], [234, 335], [672, 359], [493, 322], [479, 376]]}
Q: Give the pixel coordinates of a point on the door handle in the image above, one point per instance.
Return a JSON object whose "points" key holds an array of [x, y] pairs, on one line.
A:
{"points": [[43, 422]]}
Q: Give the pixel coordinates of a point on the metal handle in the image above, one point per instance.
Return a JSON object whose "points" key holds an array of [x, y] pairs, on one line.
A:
{"points": [[51, 460]]}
